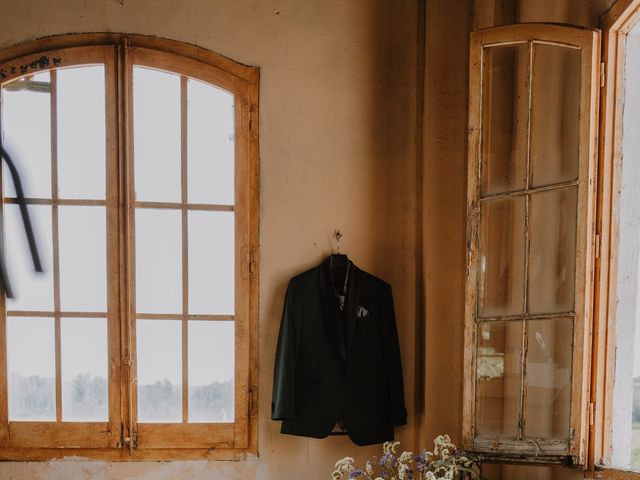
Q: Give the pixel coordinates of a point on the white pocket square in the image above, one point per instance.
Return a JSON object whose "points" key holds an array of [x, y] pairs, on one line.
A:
{"points": [[362, 312]]}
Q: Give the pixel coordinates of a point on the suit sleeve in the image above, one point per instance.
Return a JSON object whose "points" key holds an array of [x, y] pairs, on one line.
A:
{"points": [[393, 361], [283, 403]]}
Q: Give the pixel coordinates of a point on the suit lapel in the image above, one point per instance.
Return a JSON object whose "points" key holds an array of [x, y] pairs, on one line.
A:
{"points": [[351, 303], [330, 313]]}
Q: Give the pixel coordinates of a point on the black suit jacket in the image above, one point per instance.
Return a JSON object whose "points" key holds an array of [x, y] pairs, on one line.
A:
{"points": [[329, 369]]}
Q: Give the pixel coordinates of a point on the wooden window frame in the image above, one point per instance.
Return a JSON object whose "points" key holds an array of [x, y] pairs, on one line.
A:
{"points": [[122, 438], [615, 24], [542, 451]]}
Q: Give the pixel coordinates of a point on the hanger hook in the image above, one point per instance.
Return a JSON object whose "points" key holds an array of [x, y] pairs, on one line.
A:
{"points": [[338, 234]]}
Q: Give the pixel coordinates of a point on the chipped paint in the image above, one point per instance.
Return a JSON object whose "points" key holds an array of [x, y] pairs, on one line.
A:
{"points": [[41, 63]]}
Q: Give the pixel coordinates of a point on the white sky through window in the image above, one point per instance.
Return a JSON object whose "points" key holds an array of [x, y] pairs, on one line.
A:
{"points": [[82, 229]]}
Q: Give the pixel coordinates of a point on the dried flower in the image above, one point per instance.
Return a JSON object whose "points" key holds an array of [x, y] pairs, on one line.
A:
{"points": [[446, 462]]}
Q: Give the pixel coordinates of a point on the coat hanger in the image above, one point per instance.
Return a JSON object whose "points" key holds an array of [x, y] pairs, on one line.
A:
{"points": [[5, 284], [338, 259]]}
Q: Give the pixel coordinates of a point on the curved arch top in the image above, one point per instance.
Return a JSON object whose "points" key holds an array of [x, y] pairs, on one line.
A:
{"points": [[539, 32], [49, 52]]}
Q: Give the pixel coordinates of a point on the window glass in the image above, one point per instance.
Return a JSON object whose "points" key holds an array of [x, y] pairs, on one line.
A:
{"points": [[211, 262], [499, 377], [210, 144], [552, 259], [505, 86], [502, 256], [158, 261], [555, 114], [81, 132], [83, 262], [32, 291], [159, 347], [84, 369], [156, 130], [31, 365], [548, 378], [211, 371], [26, 133]]}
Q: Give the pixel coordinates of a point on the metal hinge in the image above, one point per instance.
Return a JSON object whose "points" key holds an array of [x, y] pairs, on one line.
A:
{"points": [[248, 262], [121, 435], [603, 75], [592, 413], [249, 267], [250, 401], [252, 111], [252, 262], [597, 246]]}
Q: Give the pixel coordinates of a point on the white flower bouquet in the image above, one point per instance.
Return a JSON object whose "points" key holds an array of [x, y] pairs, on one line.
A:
{"points": [[446, 462]]}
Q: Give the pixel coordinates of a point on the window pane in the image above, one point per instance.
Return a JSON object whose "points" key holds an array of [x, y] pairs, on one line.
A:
{"points": [[502, 257], [159, 365], [211, 262], [84, 369], [83, 264], [210, 144], [211, 371], [157, 134], [158, 261], [548, 378], [32, 290], [31, 366], [81, 132], [505, 104], [26, 123], [555, 114], [553, 251], [499, 377]]}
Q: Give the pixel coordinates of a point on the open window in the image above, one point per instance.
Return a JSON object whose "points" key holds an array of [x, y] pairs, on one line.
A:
{"points": [[616, 389], [531, 233], [138, 341]]}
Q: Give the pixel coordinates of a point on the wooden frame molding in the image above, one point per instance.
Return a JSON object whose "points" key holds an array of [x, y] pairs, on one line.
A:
{"points": [[526, 449], [615, 24], [122, 438]]}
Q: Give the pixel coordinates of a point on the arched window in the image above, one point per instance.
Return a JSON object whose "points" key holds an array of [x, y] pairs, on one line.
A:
{"points": [[140, 165]]}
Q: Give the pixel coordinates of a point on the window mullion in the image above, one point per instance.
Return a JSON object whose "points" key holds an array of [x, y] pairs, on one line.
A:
{"points": [[114, 293], [185, 249], [527, 250], [55, 238], [126, 199]]}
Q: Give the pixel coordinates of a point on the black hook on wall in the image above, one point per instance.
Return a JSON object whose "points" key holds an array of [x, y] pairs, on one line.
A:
{"points": [[338, 234]]}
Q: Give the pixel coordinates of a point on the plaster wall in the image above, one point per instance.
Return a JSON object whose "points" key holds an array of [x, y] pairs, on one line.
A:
{"points": [[338, 114]]}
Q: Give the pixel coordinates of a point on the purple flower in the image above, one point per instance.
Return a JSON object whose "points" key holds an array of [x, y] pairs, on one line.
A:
{"points": [[355, 473]]}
